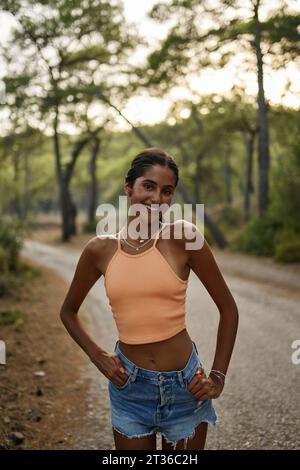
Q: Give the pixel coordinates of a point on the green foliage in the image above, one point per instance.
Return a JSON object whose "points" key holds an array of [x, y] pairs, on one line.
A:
{"points": [[284, 26], [3, 260], [12, 272], [258, 237], [86, 55], [90, 47], [266, 237], [208, 237], [11, 281], [29, 273], [89, 227], [279, 34], [8, 283], [287, 246], [277, 234], [11, 317], [229, 216], [10, 245], [285, 203], [229, 220]]}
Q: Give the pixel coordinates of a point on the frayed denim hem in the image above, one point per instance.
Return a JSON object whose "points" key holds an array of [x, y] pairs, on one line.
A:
{"points": [[174, 443], [135, 436]]}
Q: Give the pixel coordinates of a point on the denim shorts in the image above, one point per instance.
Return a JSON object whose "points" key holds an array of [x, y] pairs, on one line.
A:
{"points": [[153, 402]]}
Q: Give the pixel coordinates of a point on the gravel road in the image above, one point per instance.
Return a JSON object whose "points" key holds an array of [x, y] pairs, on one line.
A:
{"points": [[260, 405]]}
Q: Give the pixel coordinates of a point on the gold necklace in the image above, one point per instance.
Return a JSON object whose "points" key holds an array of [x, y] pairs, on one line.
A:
{"points": [[141, 246]]}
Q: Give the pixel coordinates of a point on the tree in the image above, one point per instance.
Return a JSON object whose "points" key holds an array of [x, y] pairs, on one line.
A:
{"points": [[72, 49], [17, 150], [192, 45]]}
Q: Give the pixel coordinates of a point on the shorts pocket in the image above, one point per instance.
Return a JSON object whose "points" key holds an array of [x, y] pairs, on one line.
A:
{"points": [[192, 374], [125, 384]]}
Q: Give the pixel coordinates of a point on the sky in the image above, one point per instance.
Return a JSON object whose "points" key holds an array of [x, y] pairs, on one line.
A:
{"points": [[211, 81], [147, 110]]}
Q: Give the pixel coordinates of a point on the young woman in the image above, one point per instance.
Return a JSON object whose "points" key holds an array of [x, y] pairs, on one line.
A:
{"points": [[156, 380]]}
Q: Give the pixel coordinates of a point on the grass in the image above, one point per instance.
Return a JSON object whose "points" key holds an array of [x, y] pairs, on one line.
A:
{"points": [[12, 317]]}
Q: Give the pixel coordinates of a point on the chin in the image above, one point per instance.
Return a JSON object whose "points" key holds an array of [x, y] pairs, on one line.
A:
{"points": [[150, 219]]}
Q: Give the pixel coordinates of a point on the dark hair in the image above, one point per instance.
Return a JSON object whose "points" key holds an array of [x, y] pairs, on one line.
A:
{"points": [[147, 158]]}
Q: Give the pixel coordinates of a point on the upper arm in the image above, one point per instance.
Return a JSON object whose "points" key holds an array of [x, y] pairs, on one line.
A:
{"points": [[85, 276], [204, 265]]}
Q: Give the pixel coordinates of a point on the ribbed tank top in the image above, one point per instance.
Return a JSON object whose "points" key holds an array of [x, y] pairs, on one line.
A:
{"points": [[146, 296]]}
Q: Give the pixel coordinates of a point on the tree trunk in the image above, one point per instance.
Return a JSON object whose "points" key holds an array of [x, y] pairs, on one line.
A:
{"points": [[216, 233], [72, 216], [16, 204], [64, 196], [67, 205], [26, 202], [227, 177], [197, 178], [93, 179], [66, 208], [263, 136], [249, 183]]}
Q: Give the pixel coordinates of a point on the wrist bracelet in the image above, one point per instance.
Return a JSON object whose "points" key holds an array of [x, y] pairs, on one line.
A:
{"points": [[218, 376], [218, 372]]}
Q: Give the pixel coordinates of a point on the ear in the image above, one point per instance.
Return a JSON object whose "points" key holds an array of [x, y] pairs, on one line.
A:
{"points": [[127, 189]]}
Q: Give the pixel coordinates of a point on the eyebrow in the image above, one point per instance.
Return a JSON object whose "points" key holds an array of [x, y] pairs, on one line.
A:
{"points": [[151, 181]]}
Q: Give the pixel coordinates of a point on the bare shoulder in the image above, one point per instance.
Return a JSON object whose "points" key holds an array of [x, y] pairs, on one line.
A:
{"points": [[186, 233], [97, 246]]}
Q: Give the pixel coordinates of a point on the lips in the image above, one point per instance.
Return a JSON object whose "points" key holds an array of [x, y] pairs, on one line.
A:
{"points": [[152, 209]]}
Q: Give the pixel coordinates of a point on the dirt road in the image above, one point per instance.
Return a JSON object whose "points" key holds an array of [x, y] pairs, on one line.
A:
{"points": [[260, 405]]}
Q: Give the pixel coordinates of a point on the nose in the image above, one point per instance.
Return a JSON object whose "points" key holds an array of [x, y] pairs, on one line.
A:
{"points": [[156, 199]]}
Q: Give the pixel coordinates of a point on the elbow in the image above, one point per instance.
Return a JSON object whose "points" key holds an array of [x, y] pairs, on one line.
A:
{"points": [[234, 311], [62, 315], [230, 311], [235, 316], [65, 315]]}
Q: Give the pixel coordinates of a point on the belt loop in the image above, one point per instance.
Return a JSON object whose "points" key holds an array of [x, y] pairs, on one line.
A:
{"points": [[180, 378], [134, 373]]}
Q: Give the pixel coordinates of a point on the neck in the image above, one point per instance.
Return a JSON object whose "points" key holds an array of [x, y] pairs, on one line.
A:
{"points": [[155, 226]]}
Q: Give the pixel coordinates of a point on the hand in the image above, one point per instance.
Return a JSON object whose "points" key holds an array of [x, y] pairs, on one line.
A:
{"points": [[110, 365], [205, 388]]}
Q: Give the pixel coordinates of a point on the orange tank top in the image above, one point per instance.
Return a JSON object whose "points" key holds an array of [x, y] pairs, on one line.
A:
{"points": [[146, 296]]}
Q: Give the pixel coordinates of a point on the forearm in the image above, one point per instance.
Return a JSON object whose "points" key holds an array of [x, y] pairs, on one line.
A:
{"points": [[227, 330], [74, 327]]}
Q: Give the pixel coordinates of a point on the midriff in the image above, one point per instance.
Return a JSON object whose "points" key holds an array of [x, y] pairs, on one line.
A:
{"points": [[167, 355]]}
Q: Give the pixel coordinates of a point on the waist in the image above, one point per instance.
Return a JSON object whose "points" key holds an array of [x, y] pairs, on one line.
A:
{"points": [[192, 361], [169, 354]]}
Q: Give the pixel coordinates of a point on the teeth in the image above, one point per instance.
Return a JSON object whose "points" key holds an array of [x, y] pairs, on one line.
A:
{"points": [[151, 208]]}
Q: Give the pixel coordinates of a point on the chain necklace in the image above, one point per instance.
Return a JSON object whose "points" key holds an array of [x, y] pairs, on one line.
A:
{"points": [[141, 241]]}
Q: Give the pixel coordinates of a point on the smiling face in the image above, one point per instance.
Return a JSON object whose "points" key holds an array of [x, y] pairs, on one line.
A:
{"points": [[156, 186]]}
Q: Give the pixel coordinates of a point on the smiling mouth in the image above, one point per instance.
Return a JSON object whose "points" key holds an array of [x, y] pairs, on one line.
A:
{"points": [[152, 209]]}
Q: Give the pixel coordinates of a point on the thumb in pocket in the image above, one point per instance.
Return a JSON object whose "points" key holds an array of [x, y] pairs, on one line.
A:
{"points": [[199, 371], [119, 364]]}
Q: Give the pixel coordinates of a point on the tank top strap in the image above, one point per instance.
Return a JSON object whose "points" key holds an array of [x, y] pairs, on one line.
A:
{"points": [[118, 241], [157, 235]]}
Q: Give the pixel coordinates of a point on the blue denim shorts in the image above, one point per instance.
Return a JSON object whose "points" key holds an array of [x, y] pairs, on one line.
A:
{"points": [[153, 402]]}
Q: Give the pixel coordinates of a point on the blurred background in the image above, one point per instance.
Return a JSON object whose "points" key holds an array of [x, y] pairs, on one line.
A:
{"points": [[84, 86]]}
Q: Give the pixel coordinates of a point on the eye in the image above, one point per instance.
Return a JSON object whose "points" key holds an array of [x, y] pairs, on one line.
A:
{"points": [[148, 186], [168, 191]]}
